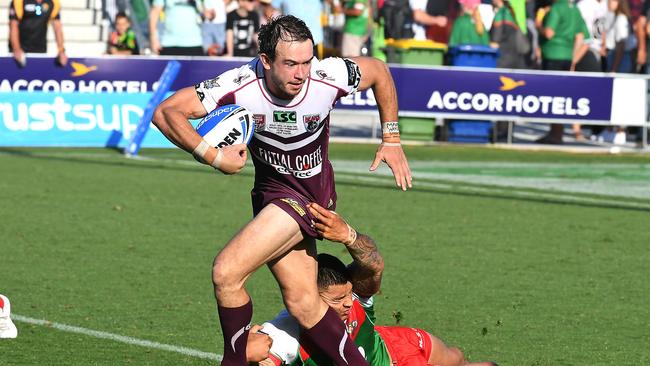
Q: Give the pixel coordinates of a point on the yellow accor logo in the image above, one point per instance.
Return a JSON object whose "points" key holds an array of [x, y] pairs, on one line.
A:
{"points": [[509, 83], [81, 69]]}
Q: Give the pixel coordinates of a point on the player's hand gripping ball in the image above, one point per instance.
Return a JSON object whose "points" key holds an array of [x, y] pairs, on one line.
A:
{"points": [[227, 125]]}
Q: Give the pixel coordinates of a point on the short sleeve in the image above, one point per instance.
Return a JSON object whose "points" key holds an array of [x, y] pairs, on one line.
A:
{"points": [[160, 3], [56, 10], [220, 90], [256, 21], [621, 30], [284, 331], [418, 4], [230, 20], [552, 19], [582, 26], [343, 73], [12, 12]]}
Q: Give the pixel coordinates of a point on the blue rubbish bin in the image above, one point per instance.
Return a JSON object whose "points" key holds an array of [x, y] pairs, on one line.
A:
{"points": [[473, 56]]}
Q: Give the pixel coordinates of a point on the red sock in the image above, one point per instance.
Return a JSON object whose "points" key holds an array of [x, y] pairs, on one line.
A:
{"points": [[330, 336], [235, 323]]}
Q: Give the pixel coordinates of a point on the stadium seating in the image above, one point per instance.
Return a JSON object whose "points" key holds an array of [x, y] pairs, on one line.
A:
{"points": [[83, 29]]}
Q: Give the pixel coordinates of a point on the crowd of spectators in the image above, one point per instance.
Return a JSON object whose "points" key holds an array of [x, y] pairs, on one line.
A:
{"points": [[565, 35]]}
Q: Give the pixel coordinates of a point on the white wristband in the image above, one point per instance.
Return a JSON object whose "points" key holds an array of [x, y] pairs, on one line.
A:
{"points": [[201, 149], [216, 163], [391, 144], [352, 236], [389, 128]]}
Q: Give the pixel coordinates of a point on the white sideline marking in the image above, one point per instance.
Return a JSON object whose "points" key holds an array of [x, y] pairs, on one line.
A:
{"points": [[118, 338]]}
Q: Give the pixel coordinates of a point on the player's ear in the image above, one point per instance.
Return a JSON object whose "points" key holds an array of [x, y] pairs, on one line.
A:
{"points": [[266, 61]]}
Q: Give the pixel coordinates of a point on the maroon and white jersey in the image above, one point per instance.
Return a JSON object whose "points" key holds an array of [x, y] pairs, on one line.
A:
{"points": [[290, 144]]}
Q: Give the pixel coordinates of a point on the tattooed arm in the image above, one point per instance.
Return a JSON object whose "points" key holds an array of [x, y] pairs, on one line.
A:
{"points": [[368, 265]]}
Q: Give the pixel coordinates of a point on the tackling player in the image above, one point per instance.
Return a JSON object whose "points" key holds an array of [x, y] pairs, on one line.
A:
{"points": [[290, 94], [349, 291]]}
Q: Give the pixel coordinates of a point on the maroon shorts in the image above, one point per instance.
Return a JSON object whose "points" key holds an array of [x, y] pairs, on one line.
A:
{"points": [[292, 203], [406, 346]]}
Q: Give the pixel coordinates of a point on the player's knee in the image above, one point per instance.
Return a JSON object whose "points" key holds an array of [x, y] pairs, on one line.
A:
{"points": [[224, 277], [456, 356]]}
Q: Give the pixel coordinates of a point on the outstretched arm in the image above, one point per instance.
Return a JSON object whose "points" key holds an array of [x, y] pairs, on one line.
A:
{"points": [[376, 75], [368, 264]]}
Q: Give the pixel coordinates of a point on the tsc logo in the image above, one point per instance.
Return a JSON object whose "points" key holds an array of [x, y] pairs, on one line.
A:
{"points": [[260, 122], [311, 122], [284, 116]]}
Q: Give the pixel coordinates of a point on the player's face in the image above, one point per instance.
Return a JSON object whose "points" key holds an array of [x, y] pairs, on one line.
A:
{"points": [[339, 298], [290, 70]]}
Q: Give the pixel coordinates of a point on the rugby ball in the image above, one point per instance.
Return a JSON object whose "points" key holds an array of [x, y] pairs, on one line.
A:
{"points": [[227, 125]]}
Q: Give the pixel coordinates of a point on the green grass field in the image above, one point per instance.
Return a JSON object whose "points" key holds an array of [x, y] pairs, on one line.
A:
{"points": [[527, 259]]}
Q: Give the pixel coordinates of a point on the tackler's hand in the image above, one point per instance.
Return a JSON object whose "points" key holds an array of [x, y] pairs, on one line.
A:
{"points": [[331, 226], [258, 345]]}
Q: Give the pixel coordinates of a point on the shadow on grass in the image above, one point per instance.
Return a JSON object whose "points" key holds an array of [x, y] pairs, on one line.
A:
{"points": [[154, 163]]}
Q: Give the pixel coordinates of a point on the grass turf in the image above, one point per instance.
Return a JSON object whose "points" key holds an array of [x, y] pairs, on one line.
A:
{"points": [[125, 246]]}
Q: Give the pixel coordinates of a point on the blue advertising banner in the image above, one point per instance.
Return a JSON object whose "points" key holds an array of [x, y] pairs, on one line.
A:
{"points": [[97, 101], [497, 93]]}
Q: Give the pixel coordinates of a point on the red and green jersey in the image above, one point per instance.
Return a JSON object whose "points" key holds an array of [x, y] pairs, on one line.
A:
{"points": [[289, 348]]}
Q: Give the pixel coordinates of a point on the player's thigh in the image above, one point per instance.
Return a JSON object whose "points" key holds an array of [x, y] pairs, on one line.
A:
{"points": [[443, 355], [270, 234]]}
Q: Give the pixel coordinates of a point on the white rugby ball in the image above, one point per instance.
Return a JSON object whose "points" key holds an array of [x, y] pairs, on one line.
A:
{"points": [[227, 125]]}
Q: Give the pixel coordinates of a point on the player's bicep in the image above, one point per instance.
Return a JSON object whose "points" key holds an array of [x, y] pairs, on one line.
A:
{"points": [[186, 102]]}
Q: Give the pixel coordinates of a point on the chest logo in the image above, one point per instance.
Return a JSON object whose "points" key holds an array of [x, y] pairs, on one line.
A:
{"points": [[284, 116], [311, 122]]}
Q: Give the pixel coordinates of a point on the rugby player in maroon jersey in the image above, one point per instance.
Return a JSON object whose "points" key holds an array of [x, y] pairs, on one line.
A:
{"points": [[290, 93]]}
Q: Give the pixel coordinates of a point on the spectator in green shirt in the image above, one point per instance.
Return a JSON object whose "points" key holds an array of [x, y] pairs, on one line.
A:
{"points": [[357, 27], [468, 28], [563, 45]]}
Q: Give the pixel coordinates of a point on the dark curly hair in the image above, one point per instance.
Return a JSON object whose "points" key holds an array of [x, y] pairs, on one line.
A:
{"points": [[331, 271], [286, 28]]}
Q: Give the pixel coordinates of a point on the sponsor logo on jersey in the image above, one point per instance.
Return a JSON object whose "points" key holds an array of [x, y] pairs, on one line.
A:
{"points": [[295, 205], [323, 75], [260, 122], [354, 75], [211, 83], [300, 166], [241, 78], [284, 116], [311, 122]]}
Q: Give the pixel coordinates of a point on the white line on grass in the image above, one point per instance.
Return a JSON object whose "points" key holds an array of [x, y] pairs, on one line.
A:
{"points": [[119, 338]]}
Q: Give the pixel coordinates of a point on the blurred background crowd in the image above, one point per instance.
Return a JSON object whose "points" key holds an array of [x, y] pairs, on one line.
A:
{"points": [[564, 35]]}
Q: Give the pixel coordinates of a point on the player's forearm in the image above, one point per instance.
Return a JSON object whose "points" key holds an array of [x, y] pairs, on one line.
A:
{"points": [[14, 35], [385, 94], [368, 265], [58, 35], [154, 14]]}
